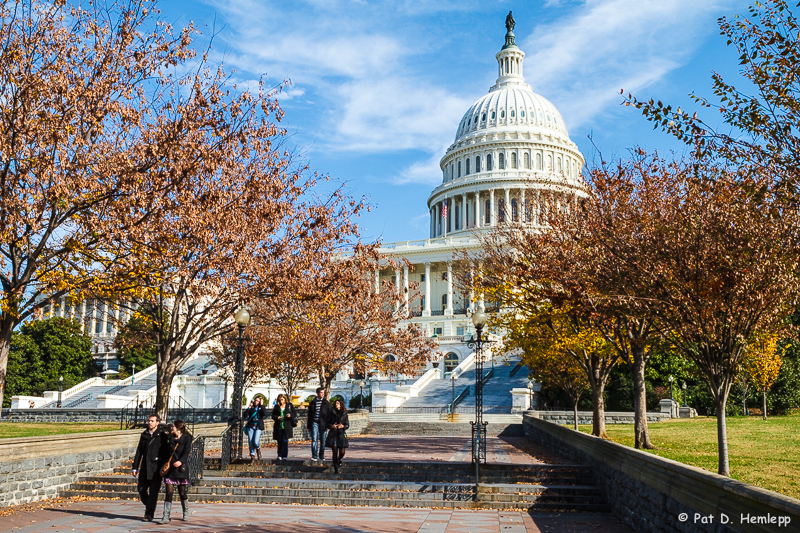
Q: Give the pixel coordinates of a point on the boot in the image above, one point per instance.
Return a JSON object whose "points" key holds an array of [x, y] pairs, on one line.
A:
{"points": [[167, 512], [335, 467], [185, 505], [258, 452]]}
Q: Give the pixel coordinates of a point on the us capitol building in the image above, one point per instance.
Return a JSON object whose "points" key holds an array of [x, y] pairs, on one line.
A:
{"points": [[512, 161]]}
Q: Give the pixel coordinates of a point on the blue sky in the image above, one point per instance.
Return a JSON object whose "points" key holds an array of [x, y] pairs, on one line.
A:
{"points": [[378, 87]]}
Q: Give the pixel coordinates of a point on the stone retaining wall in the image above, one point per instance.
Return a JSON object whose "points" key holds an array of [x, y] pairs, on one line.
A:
{"points": [[36, 468], [202, 416], [653, 494], [585, 417]]}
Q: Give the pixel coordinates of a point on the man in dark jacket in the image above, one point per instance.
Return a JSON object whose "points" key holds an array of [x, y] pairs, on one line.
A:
{"points": [[146, 463], [318, 410]]}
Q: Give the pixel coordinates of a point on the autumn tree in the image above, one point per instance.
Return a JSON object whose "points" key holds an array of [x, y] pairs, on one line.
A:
{"points": [[721, 264], [762, 364], [77, 84]]}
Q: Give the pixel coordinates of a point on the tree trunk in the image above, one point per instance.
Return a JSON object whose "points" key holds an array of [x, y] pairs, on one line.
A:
{"points": [[598, 411], [764, 405], [641, 434], [163, 385], [5, 347], [722, 436], [575, 414]]}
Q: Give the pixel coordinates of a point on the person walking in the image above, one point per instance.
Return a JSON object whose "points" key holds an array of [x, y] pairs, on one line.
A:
{"points": [[318, 411], [180, 445], [254, 425], [338, 423], [152, 444], [284, 420]]}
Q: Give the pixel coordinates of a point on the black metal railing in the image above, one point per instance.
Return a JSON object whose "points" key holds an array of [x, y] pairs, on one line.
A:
{"points": [[196, 458], [452, 406], [487, 376], [437, 313], [179, 408], [409, 410], [76, 403], [135, 414], [115, 390], [227, 452], [516, 369], [480, 456]]}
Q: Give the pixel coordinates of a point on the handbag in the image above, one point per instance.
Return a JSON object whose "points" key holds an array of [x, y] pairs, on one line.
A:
{"points": [[164, 470]]}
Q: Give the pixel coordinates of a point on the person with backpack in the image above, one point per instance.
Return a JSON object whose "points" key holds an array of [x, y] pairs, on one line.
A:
{"points": [[284, 419], [254, 425]]}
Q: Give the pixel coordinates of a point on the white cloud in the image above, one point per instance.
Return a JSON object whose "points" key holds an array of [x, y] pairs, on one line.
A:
{"points": [[582, 61]]}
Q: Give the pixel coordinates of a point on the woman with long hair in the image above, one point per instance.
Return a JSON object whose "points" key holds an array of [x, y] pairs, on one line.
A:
{"points": [[180, 445], [338, 424], [284, 420]]}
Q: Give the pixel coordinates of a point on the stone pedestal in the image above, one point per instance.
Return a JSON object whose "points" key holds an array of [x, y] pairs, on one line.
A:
{"points": [[670, 407], [687, 412], [520, 400]]}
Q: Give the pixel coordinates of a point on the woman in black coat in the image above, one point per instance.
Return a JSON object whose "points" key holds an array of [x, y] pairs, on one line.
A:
{"points": [[180, 446], [284, 420], [337, 424]]}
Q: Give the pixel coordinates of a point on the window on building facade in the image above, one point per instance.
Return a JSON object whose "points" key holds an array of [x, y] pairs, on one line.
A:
{"points": [[503, 114], [522, 113], [538, 161], [549, 162], [459, 330], [527, 160], [458, 218], [477, 163], [422, 301], [488, 162], [483, 117], [444, 276], [493, 115], [513, 159], [501, 210], [459, 169], [467, 172], [501, 161], [512, 113], [487, 210], [559, 164], [514, 210], [422, 277], [450, 361]]}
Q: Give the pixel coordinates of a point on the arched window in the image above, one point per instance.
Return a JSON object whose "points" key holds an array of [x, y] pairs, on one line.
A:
{"points": [[444, 300], [501, 210], [467, 172], [477, 163], [483, 117], [503, 113], [458, 218], [513, 159], [390, 358], [459, 169], [522, 113], [527, 160], [468, 121], [514, 210], [488, 162], [501, 161], [487, 211], [549, 162], [450, 362], [559, 164], [493, 115], [512, 113], [476, 120]]}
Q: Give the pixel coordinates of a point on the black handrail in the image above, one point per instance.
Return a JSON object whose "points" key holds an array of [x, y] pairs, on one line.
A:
{"points": [[486, 377], [196, 458], [79, 401], [516, 369], [458, 399]]}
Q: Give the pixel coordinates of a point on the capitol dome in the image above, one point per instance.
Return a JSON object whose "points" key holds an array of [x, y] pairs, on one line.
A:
{"points": [[511, 160]]}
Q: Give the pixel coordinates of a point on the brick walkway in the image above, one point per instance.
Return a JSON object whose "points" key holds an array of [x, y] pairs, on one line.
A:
{"points": [[517, 450], [116, 516]]}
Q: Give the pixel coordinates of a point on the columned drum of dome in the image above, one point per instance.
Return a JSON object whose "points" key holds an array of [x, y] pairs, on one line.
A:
{"points": [[511, 149]]}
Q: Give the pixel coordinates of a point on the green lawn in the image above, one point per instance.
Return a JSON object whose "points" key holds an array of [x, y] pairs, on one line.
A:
{"points": [[9, 430], [763, 453]]}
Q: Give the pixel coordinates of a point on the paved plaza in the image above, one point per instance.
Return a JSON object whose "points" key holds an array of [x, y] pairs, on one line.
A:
{"points": [[114, 516]]}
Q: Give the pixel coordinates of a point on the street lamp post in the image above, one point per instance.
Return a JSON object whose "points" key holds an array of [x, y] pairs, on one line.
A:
{"points": [[242, 318], [684, 394], [671, 394], [60, 389], [530, 394], [452, 391], [478, 426], [133, 374], [361, 394]]}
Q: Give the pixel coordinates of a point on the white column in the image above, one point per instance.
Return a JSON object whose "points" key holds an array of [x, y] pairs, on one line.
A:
{"points": [[507, 207], [523, 215], [478, 217], [493, 208], [104, 324], [93, 319], [427, 311], [430, 226], [405, 288], [463, 211], [449, 288], [377, 281]]}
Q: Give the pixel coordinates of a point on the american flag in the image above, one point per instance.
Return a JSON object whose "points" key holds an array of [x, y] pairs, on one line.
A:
{"points": [[444, 209]]}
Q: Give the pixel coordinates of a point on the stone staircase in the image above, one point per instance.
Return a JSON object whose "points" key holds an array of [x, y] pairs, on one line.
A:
{"points": [[441, 429], [537, 488]]}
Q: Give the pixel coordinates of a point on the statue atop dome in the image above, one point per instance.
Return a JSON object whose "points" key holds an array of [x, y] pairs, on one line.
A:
{"points": [[510, 22]]}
